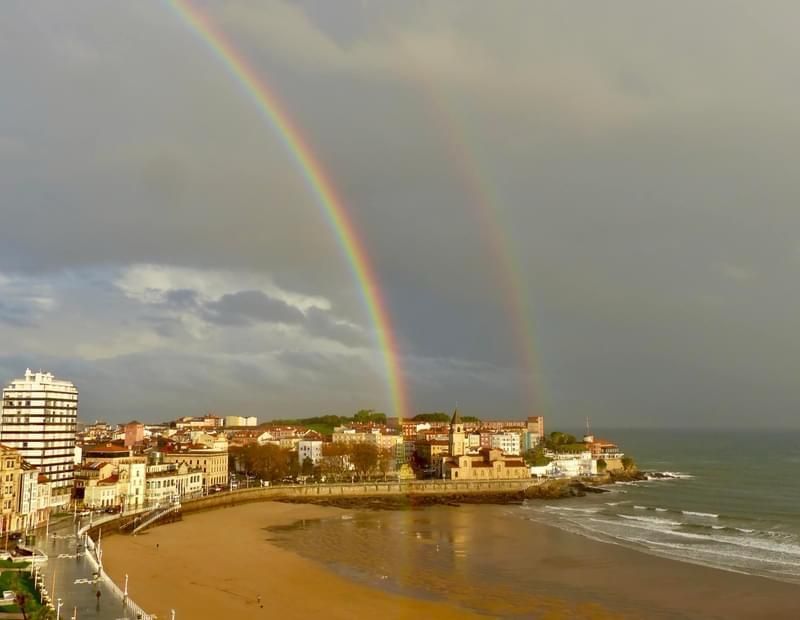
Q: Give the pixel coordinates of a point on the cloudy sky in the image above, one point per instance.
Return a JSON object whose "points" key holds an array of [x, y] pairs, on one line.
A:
{"points": [[627, 169]]}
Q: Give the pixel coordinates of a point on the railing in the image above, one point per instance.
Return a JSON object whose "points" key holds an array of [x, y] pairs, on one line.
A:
{"points": [[156, 516], [95, 556]]}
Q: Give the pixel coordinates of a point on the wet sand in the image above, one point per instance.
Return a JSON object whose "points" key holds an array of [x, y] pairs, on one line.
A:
{"points": [[216, 564]]}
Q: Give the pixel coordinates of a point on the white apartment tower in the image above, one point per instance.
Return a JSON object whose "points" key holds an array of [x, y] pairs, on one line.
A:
{"points": [[38, 419]]}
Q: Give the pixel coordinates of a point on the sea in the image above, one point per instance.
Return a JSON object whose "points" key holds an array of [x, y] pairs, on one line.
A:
{"points": [[731, 500]]}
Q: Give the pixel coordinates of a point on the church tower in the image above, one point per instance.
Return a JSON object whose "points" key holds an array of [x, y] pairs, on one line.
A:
{"points": [[457, 435]]}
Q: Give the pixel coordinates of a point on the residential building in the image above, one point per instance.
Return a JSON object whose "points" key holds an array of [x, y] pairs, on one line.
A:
{"points": [[309, 449], [237, 420], [167, 482], [507, 443], [10, 478], [134, 434], [31, 515], [213, 463], [39, 418], [118, 483], [535, 425]]}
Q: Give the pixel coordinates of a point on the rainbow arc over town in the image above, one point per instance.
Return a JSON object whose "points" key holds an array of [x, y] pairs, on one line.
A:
{"points": [[318, 181]]}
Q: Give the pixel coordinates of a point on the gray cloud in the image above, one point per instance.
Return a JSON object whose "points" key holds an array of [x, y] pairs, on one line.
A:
{"points": [[635, 158], [246, 307]]}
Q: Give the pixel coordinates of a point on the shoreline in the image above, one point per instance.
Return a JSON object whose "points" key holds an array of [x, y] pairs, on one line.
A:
{"points": [[213, 568]]}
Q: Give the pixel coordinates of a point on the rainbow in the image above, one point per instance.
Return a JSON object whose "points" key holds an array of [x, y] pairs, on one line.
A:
{"points": [[489, 220], [317, 180]]}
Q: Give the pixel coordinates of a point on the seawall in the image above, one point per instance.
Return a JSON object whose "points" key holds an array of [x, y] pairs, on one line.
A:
{"points": [[314, 493]]}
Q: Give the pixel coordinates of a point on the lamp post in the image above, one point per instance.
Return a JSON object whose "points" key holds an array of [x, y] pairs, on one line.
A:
{"points": [[125, 593], [58, 610]]}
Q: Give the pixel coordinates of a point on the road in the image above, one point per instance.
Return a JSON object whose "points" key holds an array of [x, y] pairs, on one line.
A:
{"points": [[74, 582]]}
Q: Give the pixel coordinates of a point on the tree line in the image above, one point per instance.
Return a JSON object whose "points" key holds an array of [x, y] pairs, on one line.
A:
{"points": [[340, 462]]}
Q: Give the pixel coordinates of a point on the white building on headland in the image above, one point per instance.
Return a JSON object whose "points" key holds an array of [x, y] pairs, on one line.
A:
{"points": [[39, 417], [567, 465]]}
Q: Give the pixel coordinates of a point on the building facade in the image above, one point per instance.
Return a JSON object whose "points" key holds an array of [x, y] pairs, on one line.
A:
{"points": [[309, 449], [39, 418], [134, 433], [212, 463]]}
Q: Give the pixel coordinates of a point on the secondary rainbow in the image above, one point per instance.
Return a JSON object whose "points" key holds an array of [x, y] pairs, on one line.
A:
{"points": [[489, 219], [318, 181]]}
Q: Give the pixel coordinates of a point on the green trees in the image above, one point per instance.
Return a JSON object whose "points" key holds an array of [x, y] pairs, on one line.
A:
{"points": [[366, 416], [557, 438], [628, 463], [437, 416], [364, 458], [536, 457], [268, 462]]}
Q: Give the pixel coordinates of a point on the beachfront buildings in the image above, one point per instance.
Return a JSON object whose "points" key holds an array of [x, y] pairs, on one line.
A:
{"points": [[39, 417], [211, 461], [169, 482]]}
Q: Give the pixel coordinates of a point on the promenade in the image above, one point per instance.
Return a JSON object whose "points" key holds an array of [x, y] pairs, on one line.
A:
{"points": [[72, 573]]}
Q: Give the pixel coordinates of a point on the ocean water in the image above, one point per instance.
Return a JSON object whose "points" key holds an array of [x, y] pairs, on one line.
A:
{"points": [[734, 504]]}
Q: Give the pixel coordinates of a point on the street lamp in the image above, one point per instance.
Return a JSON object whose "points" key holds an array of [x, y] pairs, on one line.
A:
{"points": [[58, 610], [126, 586]]}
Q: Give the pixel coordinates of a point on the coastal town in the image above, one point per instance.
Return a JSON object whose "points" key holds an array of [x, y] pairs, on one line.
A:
{"points": [[138, 473], [52, 462]]}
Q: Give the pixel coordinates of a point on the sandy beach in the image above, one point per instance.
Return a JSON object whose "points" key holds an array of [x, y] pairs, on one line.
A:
{"points": [[216, 565]]}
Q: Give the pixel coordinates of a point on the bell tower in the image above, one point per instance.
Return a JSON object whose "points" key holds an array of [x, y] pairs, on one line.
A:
{"points": [[457, 435]]}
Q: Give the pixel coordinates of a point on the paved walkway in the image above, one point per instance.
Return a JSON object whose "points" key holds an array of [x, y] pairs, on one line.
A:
{"points": [[74, 582]]}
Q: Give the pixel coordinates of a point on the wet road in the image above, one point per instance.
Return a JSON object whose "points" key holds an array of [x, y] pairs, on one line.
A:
{"points": [[74, 581]]}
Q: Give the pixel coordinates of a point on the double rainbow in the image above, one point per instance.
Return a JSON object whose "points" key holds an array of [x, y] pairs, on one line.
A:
{"points": [[319, 183]]}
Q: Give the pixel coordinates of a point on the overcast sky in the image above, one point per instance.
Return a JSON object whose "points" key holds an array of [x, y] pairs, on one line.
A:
{"points": [[159, 247]]}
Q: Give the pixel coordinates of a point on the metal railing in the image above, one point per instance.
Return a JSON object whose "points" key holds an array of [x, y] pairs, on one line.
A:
{"points": [[95, 557], [158, 514]]}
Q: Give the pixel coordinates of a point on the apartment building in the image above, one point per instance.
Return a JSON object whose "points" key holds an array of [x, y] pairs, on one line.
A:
{"points": [[38, 419]]}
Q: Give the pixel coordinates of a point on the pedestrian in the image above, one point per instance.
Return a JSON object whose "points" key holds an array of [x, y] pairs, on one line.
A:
{"points": [[156, 546]]}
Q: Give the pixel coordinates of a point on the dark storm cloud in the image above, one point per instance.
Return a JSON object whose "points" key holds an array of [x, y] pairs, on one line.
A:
{"points": [[247, 307]]}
